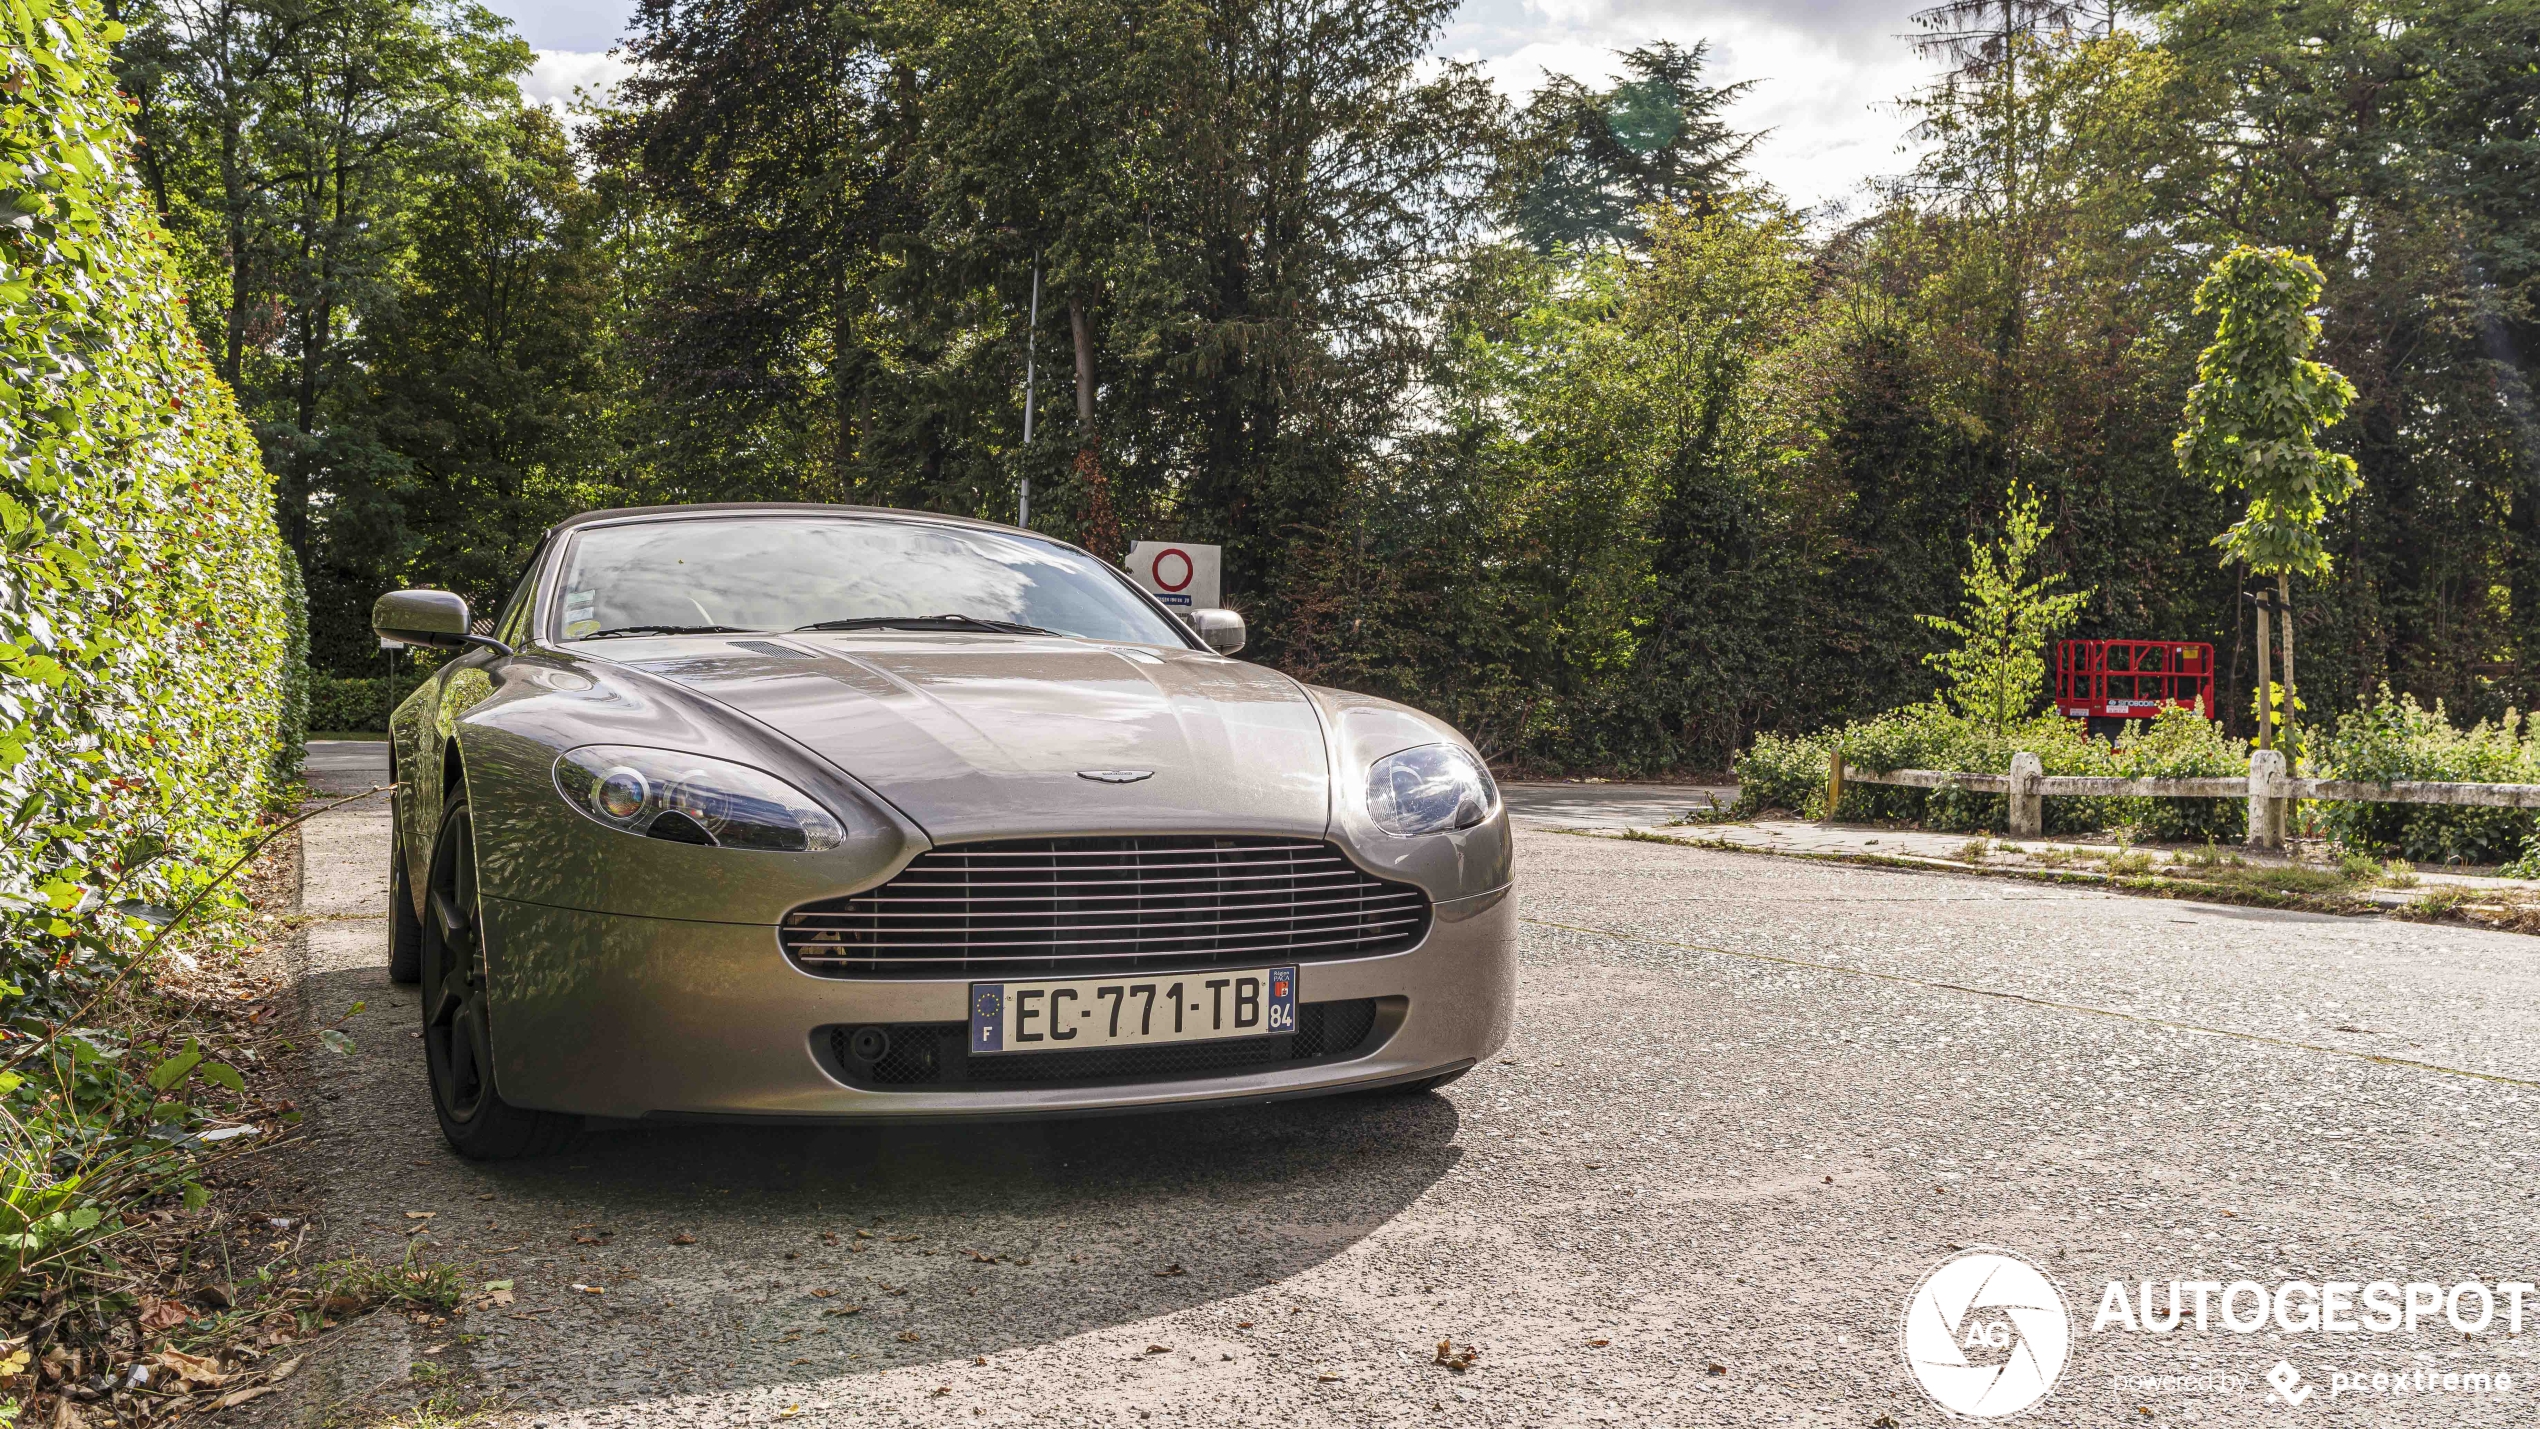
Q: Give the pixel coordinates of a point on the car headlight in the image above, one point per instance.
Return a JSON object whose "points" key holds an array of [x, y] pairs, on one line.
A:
{"points": [[688, 798], [1425, 790]]}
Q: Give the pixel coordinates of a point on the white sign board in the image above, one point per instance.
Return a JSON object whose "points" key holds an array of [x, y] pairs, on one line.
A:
{"points": [[1181, 575]]}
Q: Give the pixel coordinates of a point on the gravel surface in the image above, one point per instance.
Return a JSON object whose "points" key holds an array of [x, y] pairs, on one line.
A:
{"points": [[1749, 1104]]}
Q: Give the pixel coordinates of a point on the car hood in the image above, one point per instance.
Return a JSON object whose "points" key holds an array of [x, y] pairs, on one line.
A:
{"points": [[995, 736]]}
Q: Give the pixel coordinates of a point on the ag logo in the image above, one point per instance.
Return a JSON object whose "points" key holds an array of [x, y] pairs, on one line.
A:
{"points": [[1986, 1334]]}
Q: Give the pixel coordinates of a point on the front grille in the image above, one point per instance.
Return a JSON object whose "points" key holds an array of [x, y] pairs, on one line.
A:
{"points": [[935, 1056], [1096, 906]]}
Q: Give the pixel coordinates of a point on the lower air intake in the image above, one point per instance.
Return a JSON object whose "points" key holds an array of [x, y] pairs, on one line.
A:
{"points": [[934, 1056]]}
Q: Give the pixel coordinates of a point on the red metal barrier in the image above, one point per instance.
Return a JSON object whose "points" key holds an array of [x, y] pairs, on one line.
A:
{"points": [[2133, 679]]}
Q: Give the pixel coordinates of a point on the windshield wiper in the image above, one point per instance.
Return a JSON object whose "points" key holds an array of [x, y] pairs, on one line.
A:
{"points": [[617, 630], [927, 622]]}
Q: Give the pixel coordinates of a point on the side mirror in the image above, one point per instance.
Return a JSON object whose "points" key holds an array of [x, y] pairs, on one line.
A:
{"points": [[1220, 630], [435, 619]]}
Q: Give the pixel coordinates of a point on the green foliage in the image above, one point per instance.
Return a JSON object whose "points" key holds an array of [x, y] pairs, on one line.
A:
{"points": [[144, 611], [347, 704], [1997, 675], [2259, 403], [1781, 772], [2394, 738], [146, 620], [1590, 164]]}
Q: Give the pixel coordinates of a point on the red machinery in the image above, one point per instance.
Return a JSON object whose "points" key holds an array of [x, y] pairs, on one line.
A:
{"points": [[2132, 679]]}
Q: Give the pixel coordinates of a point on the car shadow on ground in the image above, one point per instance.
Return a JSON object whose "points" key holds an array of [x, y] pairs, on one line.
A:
{"points": [[719, 1258]]}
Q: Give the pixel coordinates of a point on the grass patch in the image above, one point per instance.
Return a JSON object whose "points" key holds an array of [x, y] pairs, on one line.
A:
{"points": [[359, 1284]]}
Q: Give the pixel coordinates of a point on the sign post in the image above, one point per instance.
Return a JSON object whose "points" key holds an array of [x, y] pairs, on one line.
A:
{"points": [[1180, 574]]}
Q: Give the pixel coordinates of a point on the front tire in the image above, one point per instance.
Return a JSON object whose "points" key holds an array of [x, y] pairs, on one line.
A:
{"points": [[405, 926], [458, 1032]]}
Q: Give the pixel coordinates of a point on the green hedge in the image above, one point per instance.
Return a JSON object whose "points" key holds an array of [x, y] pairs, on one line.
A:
{"points": [[340, 704], [145, 607], [2394, 738], [1780, 772]]}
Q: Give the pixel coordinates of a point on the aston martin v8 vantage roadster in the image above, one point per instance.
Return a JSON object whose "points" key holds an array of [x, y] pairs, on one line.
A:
{"points": [[825, 813]]}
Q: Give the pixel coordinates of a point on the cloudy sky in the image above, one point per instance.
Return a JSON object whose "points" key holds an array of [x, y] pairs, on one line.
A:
{"points": [[1827, 72]]}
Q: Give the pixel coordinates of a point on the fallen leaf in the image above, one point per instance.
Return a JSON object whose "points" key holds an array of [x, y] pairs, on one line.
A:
{"points": [[283, 1370], [1598, 1344], [825, 1294], [196, 1371], [1170, 1270], [864, 1235], [1456, 1357], [1830, 1180], [940, 1391], [979, 1359], [899, 1239], [979, 1259], [1159, 1349], [1247, 1324], [421, 1215], [1325, 1378], [241, 1396], [843, 1310], [683, 1238], [1715, 1369], [162, 1315], [908, 1337]]}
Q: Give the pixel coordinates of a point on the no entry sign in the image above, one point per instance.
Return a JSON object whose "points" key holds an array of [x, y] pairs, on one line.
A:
{"points": [[1181, 574]]}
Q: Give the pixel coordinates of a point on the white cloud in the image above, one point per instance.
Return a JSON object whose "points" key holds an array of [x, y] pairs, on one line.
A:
{"points": [[552, 82], [1827, 72]]}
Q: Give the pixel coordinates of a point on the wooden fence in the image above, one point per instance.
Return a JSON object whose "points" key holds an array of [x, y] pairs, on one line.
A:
{"points": [[2268, 788]]}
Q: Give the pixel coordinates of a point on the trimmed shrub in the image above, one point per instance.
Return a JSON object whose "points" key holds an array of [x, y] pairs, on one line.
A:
{"points": [[145, 611], [2395, 738]]}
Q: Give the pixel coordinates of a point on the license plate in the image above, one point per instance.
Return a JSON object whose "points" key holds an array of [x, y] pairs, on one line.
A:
{"points": [[1080, 1013]]}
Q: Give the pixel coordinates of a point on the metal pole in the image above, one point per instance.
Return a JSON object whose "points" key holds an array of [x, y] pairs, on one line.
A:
{"points": [[1031, 334]]}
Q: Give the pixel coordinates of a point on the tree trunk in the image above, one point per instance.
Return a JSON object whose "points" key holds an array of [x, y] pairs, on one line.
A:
{"points": [[1084, 326], [1101, 525], [843, 390], [2266, 682]]}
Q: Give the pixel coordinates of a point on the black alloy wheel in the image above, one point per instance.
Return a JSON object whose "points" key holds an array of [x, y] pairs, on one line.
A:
{"points": [[458, 1033]]}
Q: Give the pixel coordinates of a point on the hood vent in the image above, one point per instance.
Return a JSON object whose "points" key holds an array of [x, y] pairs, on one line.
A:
{"points": [[770, 647]]}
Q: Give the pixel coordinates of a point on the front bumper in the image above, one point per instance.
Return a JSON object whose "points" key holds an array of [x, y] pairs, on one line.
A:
{"points": [[615, 1016]]}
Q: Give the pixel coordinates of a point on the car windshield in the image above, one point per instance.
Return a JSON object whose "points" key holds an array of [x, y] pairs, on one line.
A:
{"points": [[782, 573]]}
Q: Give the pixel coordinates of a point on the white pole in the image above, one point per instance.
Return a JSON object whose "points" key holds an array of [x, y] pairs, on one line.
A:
{"points": [[1023, 515]]}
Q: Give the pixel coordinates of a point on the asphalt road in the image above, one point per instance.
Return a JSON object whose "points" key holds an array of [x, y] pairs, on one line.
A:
{"points": [[1750, 1103]]}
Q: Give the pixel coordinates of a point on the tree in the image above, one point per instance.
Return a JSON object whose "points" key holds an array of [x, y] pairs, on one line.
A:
{"points": [[1998, 672], [1588, 162], [2252, 425]]}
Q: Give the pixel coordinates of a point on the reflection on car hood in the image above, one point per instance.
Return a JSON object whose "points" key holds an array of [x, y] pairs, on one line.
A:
{"points": [[992, 736]]}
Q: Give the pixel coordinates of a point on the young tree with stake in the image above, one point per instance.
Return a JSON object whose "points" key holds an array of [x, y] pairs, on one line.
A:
{"points": [[2252, 424]]}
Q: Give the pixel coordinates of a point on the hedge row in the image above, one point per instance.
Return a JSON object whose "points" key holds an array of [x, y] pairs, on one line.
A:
{"points": [[2391, 738], [147, 610]]}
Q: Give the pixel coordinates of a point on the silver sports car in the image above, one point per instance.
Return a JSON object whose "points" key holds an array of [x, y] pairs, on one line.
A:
{"points": [[826, 813]]}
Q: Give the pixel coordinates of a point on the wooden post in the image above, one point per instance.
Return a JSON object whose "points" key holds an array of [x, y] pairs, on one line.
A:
{"points": [[2266, 680], [2028, 807], [2266, 801], [1834, 780]]}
